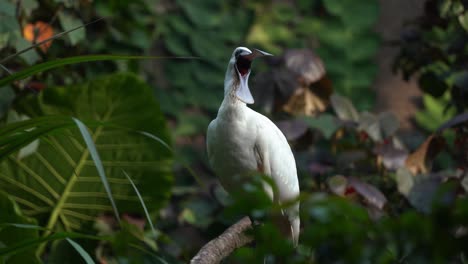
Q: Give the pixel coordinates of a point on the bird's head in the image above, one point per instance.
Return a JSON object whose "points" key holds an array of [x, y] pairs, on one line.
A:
{"points": [[238, 72]]}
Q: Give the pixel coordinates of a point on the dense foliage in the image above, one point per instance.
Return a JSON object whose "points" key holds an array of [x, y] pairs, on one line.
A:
{"points": [[89, 170]]}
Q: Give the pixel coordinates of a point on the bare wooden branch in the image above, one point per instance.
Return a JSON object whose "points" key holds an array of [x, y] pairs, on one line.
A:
{"points": [[222, 246]]}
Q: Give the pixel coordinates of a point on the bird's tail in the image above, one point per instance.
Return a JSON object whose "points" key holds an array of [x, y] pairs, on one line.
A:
{"points": [[288, 225]]}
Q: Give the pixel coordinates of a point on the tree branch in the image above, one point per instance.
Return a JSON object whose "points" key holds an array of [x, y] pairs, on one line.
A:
{"points": [[222, 246]]}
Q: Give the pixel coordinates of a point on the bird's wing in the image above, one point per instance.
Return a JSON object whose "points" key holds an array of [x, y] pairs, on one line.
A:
{"points": [[277, 161], [210, 140]]}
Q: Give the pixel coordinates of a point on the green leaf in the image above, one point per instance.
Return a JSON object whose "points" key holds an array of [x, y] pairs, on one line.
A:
{"points": [[10, 234], [59, 183], [369, 123], [27, 244], [13, 116], [360, 15], [97, 161], [7, 96], [202, 42], [28, 6], [204, 14], [344, 109], [463, 19], [389, 124], [16, 135], [432, 84], [176, 45], [9, 28], [179, 24], [405, 180], [30, 56], [81, 251], [72, 60], [434, 115], [325, 123], [142, 202], [68, 22], [7, 8]]}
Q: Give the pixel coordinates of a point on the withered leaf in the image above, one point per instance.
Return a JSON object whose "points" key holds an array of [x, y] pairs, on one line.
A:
{"points": [[37, 32], [420, 161], [304, 102]]}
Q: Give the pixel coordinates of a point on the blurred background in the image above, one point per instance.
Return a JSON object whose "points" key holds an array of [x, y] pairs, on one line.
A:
{"points": [[363, 90]]}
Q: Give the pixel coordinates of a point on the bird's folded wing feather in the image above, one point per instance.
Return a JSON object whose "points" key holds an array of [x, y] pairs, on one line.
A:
{"points": [[278, 162]]}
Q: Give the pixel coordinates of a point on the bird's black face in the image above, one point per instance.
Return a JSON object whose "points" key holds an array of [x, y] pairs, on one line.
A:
{"points": [[243, 62], [242, 59]]}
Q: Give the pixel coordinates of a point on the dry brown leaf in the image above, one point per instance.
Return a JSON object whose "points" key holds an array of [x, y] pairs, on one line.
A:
{"points": [[420, 161], [304, 102], [37, 32]]}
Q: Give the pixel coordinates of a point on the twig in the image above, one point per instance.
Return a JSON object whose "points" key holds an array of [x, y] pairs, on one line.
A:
{"points": [[217, 249]]}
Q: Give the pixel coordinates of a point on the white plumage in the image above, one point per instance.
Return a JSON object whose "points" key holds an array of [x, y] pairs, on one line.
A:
{"points": [[241, 140]]}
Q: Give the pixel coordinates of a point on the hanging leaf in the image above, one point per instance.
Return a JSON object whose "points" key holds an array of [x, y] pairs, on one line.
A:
{"points": [[59, 183]]}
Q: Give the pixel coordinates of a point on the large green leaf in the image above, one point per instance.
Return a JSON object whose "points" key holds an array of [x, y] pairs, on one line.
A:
{"points": [[59, 183], [10, 235]]}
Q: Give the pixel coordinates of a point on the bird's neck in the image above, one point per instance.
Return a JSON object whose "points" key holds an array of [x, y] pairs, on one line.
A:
{"points": [[231, 107], [230, 84]]}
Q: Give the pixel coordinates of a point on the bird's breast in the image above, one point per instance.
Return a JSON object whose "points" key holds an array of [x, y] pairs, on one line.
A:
{"points": [[232, 151]]}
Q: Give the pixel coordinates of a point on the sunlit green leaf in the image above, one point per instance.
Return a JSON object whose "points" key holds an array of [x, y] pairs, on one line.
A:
{"points": [[82, 252], [59, 183], [325, 123]]}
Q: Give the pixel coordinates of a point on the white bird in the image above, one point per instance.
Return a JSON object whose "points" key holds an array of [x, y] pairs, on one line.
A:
{"points": [[241, 140]]}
